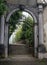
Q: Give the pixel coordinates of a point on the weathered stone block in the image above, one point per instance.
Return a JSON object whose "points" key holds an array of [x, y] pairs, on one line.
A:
{"points": [[20, 49], [45, 27], [39, 1], [32, 2], [12, 1], [24, 2]]}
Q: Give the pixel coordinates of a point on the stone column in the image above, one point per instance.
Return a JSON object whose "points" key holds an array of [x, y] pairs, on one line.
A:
{"points": [[6, 40], [35, 39], [41, 43], [40, 24], [2, 29]]}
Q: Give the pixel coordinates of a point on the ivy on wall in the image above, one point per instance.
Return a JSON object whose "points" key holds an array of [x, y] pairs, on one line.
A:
{"points": [[2, 7]]}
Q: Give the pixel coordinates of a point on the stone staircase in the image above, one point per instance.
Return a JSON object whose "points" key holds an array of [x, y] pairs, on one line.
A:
{"points": [[20, 49], [19, 60], [18, 55]]}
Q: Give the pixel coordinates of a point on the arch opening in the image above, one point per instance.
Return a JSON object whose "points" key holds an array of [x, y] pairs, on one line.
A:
{"points": [[18, 26]]}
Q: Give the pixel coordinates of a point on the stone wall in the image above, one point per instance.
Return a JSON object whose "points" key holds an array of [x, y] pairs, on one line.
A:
{"points": [[30, 4], [45, 27], [20, 49], [24, 2]]}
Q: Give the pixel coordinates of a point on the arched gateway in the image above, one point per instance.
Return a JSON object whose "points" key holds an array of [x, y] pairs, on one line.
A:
{"points": [[35, 28], [36, 11]]}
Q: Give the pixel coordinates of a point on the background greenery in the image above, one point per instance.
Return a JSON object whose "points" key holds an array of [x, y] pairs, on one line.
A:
{"points": [[2, 7], [27, 30], [13, 21]]}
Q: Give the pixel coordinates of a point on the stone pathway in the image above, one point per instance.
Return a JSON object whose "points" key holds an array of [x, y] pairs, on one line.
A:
{"points": [[22, 60], [21, 57]]}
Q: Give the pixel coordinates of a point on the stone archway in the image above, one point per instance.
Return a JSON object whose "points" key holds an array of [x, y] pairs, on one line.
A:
{"points": [[36, 9], [35, 31]]}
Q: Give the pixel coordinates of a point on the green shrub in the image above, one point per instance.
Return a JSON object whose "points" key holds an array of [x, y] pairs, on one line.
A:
{"points": [[18, 35], [28, 30]]}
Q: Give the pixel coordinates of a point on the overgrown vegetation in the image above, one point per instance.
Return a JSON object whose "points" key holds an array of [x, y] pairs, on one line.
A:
{"points": [[13, 21], [27, 30], [18, 35], [2, 7]]}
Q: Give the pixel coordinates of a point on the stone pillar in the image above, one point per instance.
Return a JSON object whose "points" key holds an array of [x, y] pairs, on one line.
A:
{"points": [[35, 39], [41, 43], [2, 29], [6, 40], [40, 24]]}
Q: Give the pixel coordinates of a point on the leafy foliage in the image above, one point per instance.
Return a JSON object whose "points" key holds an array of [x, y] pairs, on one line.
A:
{"points": [[18, 35], [13, 21], [2, 7], [28, 30]]}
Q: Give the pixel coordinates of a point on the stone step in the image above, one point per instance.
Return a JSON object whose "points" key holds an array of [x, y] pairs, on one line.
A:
{"points": [[22, 57], [19, 49], [18, 60]]}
